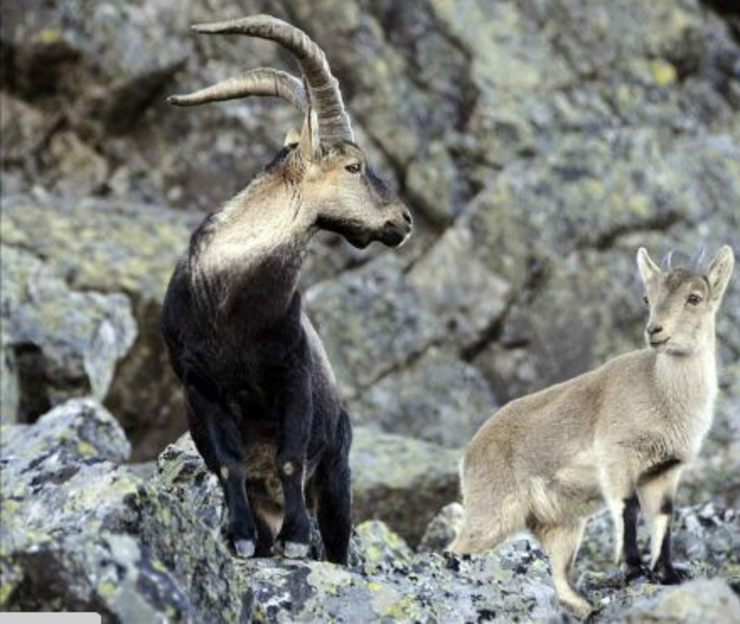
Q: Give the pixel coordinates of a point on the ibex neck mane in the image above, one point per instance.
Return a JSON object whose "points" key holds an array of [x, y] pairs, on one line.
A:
{"points": [[249, 254]]}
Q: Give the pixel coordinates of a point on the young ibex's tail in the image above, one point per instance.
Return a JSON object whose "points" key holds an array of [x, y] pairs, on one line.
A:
{"points": [[477, 536], [492, 511]]}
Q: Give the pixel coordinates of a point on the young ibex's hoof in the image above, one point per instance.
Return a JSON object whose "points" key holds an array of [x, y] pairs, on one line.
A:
{"points": [[244, 548], [672, 576], [631, 572], [581, 607], [293, 550]]}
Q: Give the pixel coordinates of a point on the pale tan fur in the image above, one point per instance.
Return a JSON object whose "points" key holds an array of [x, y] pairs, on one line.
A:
{"points": [[547, 461]]}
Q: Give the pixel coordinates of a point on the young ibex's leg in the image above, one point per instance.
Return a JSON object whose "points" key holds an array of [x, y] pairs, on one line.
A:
{"points": [[632, 565], [624, 507], [295, 413], [561, 543], [218, 440], [334, 495], [656, 493], [572, 562]]}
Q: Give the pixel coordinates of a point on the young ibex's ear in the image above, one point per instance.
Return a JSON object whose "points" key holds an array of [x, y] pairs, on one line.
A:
{"points": [[645, 264], [310, 143], [718, 275], [293, 136]]}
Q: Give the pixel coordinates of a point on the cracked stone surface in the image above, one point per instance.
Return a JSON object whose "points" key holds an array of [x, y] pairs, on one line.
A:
{"points": [[83, 531]]}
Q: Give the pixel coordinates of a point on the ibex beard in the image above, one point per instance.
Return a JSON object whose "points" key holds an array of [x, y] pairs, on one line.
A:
{"points": [[618, 436], [263, 408]]}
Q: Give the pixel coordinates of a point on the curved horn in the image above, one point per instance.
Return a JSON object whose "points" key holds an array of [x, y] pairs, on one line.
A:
{"points": [[323, 88], [263, 81]]}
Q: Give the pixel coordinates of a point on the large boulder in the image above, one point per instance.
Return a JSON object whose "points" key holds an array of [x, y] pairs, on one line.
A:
{"points": [[109, 247], [709, 601], [82, 532], [438, 398], [56, 343], [400, 480]]}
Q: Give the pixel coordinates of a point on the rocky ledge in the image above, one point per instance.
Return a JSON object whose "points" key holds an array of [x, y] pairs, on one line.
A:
{"points": [[81, 530]]}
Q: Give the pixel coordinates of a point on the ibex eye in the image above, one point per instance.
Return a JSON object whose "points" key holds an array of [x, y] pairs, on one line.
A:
{"points": [[694, 300], [645, 299], [354, 168]]}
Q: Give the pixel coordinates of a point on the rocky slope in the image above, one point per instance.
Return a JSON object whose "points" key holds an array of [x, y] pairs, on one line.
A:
{"points": [[82, 531]]}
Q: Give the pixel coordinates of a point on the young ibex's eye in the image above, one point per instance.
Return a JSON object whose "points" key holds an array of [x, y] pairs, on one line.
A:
{"points": [[354, 168], [693, 300], [645, 300]]}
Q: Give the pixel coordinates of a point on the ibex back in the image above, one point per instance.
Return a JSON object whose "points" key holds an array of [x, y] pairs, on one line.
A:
{"points": [[619, 435], [263, 409]]}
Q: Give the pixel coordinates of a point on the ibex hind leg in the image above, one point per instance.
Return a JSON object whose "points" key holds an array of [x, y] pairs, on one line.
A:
{"points": [[218, 440], [561, 543], [492, 511], [334, 498]]}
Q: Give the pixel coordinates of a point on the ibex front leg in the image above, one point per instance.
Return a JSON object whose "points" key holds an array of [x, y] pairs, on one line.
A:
{"points": [[295, 413], [219, 442], [656, 493]]}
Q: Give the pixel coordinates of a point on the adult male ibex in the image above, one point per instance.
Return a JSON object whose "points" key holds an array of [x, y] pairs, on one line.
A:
{"points": [[620, 434], [263, 407]]}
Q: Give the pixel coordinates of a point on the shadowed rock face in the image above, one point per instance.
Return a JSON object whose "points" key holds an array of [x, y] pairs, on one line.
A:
{"points": [[61, 307], [57, 342], [82, 531]]}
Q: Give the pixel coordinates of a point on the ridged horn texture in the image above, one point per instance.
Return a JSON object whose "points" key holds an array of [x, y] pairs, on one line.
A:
{"points": [[263, 81], [323, 89]]}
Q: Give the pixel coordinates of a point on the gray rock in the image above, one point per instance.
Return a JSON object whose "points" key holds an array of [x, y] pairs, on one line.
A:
{"points": [[711, 601], [438, 398], [56, 343], [110, 247], [118, 64], [465, 296], [82, 532], [400, 480], [443, 528], [370, 322]]}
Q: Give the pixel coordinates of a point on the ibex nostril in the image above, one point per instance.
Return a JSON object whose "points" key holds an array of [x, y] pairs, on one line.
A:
{"points": [[654, 329], [407, 217]]}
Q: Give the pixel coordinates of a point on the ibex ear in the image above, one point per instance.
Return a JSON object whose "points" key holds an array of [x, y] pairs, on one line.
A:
{"points": [[310, 143], [646, 266], [293, 136], [718, 275]]}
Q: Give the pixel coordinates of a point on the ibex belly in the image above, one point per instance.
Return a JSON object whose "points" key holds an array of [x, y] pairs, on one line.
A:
{"points": [[263, 480]]}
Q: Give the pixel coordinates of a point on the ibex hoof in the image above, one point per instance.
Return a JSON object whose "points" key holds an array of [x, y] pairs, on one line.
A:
{"points": [[293, 550], [633, 572], [673, 576], [244, 548], [582, 609]]}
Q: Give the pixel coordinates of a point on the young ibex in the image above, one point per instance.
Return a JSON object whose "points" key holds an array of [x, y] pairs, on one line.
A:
{"points": [[263, 407], [619, 435]]}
